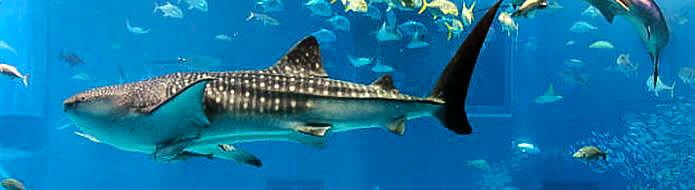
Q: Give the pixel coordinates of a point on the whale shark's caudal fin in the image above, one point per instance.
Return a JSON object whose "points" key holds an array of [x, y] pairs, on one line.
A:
{"points": [[452, 86]]}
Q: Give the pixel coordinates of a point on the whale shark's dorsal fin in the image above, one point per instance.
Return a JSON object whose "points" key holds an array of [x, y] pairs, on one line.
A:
{"points": [[550, 91], [303, 59], [385, 82], [187, 103]]}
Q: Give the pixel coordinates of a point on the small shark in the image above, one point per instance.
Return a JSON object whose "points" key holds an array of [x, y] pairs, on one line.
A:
{"points": [[203, 114], [646, 17], [549, 96]]}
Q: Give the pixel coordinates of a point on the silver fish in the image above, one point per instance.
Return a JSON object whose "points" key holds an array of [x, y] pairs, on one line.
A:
{"points": [[11, 71]]}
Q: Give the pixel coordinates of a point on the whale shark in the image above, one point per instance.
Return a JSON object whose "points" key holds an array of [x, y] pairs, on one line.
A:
{"points": [[647, 19], [180, 116]]}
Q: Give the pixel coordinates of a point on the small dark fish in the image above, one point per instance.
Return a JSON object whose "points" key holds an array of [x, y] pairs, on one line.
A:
{"points": [[71, 58], [12, 184]]}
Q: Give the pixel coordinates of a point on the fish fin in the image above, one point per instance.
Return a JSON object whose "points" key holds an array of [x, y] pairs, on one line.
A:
{"points": [[251, 15], [385, 82], [303, 58], [448, 29], [550, 91], [173, 150], [186, 104], [156, 7], [397, 126], [227, 152], [673, 89], [424, 6], [88, 137], [314, 129], [452, 86], [25, 80], [606, 10]]}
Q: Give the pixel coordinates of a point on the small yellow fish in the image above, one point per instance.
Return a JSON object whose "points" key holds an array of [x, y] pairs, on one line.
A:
{"points": [[454, 29], [333, 1], [467, 14], [445, 7], [359, 6]]}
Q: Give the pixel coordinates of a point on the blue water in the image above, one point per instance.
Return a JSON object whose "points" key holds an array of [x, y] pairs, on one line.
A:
{"points": [[511, 72]]}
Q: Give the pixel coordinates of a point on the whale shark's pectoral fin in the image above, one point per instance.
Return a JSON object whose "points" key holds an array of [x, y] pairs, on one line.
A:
{"points": [[186, 106], [314, 129], [227, 152], [173, 150]]}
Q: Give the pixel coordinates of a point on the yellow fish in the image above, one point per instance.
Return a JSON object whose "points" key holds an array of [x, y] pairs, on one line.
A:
{"points": [[359, 6], [445, 7], [455, 28], [467, 14]]}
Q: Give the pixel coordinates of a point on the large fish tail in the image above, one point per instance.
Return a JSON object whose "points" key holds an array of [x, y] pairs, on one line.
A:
{"points": [[452, 86]]}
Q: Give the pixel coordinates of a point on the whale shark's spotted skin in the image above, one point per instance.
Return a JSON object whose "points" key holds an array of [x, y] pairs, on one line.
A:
{"points": [[267, 93]]}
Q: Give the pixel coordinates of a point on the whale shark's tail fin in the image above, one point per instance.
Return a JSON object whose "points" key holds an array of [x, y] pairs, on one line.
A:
{"points": [[452, 86]]}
